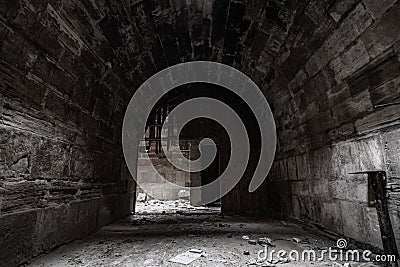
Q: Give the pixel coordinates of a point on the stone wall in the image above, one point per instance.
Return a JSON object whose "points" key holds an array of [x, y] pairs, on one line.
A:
{"points": [[334, 124], [62, 174], [151, 182]]}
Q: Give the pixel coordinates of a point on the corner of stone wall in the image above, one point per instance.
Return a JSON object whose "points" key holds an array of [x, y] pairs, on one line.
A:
{"points": [[27, 234]]}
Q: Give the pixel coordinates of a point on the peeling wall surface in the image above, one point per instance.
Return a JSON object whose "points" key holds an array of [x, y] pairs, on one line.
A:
{"points": [[68, 69]]}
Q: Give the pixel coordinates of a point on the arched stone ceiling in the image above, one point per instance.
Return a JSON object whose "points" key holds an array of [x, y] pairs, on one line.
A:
{"points": [[305, 55], [148, 36]]}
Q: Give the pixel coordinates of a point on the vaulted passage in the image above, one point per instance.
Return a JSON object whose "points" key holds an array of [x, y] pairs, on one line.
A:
{"points": [[329, 69]]}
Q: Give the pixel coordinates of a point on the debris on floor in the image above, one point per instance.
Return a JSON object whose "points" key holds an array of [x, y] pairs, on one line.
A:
{"points": [[141, 197], [184, 194], [252, 242], [299, 241], [267, 263], [194, 250], [279, 261], [139, 221], [172, 240], [187, 257], [181, 206], [264, 241], [296, 240]]}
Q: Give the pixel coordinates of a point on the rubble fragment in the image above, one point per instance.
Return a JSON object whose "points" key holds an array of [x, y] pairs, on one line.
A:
{"points": [[296, 240], [252, 242], [264, 241], [141, 197], [186, 257]]}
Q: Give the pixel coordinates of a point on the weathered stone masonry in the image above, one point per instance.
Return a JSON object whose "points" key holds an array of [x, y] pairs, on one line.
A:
{"points": [[62, 173], [68, 69], [333, 126]]}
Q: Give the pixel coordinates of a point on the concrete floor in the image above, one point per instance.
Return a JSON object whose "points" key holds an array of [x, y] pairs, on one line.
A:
{"points": [[162, 230]]}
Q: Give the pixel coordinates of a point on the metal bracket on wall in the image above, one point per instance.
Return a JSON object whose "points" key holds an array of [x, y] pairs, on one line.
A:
{"points": [[378, 180]]}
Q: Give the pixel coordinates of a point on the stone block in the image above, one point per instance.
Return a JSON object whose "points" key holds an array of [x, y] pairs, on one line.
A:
{"points": [[319, 188], [50, 229], [374, 121], [82, 164], [378, 8], [391, 152], [23, 195], [108, 210], [371, 154], [292, 168], [103, 110], [386, 93], [146, 177], [337, 93], [10, 9], [353, 220], [302, 167], [297, 81], [170, 176], [300, 188], [16, 238], [352, 189], [184, 194], [157, 193], [62, 81], [365, 154], [351, 27], [274, 174], [372, 228], [353, 108], [302, 207], [340, 8], [296, 207], [142, 162], [319, 84], [179, 178], [320, 163], [159, 178], [350, 61], [343, 131], [395, 219], [51, 159], [125, 205], [331, 216], [314, 209], [168, 194], [144, 168], [384, 33]]}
